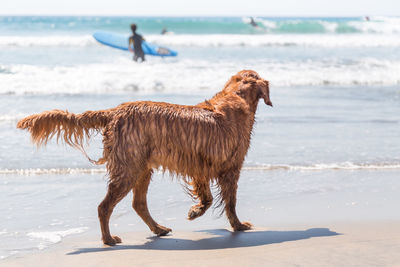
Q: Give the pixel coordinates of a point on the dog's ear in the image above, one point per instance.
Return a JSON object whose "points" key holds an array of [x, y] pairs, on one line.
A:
{"points": [[263, 87]]}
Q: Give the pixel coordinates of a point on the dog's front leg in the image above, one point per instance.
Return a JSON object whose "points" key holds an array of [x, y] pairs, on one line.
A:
{"points": [[228, 186]]}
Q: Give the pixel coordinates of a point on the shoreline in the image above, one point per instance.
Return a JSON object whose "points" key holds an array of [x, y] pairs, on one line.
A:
{"points": [[331, 244], [338, 201]]}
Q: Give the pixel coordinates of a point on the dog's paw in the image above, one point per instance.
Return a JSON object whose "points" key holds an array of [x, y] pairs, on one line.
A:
{"points": [[117, 239], [195, 212], [161, 230], [242, 227], [112, 240]]}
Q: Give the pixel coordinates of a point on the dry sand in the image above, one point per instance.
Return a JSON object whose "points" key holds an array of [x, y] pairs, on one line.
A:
{"points": [[333, 244]]}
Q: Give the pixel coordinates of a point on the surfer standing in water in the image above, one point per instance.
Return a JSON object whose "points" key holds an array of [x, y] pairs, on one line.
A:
{"points": [[136, 40]]}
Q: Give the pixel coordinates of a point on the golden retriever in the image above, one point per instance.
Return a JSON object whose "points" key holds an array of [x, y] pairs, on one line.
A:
{"points": [[202, 144]]}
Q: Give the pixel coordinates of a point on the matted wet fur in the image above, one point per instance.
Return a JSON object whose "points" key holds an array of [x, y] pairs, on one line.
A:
{"points": [[202, 144]]}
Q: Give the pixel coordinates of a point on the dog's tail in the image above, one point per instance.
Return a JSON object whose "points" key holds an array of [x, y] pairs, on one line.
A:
{"points": [[68, 127]]}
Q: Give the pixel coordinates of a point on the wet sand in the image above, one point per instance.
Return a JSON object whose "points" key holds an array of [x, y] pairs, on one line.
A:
{"points": [[332, 244]]}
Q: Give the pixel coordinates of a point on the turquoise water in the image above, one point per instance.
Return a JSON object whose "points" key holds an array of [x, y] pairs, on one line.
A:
{"points": [[200, 25]]}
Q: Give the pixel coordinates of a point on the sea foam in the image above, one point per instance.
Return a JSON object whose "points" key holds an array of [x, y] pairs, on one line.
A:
{"points": [[266, 167], [55, 236], [218, 40], [121, 76]]}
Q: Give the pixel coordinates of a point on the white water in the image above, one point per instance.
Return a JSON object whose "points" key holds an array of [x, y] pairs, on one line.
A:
{"points": [[216, 40], [248, 167], [121, 76], [54, 237]]}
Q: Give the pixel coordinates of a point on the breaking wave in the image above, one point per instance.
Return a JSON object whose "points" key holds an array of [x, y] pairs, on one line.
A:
{"points": [[215, 40], [375, 25], [121, 76]]}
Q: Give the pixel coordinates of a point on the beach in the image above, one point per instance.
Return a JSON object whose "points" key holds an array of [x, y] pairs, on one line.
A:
{"points": [[320, 180], [303, 217]]}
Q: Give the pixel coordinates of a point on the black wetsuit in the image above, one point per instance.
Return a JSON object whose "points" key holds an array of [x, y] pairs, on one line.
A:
{"points": [[137, 40]]}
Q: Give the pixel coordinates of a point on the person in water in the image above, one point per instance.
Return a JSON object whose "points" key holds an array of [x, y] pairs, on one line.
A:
{"points": [[252, 22], [136, 40]]}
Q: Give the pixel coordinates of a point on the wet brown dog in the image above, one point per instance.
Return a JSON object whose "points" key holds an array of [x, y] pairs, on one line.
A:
{"points": [[202, 144]]}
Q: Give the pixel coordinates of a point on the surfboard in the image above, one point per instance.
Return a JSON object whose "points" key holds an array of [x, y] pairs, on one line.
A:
{"points": [[120, 41]]}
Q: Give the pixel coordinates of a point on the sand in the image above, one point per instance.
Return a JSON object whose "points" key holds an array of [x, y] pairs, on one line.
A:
{"points": [[333, 244]]}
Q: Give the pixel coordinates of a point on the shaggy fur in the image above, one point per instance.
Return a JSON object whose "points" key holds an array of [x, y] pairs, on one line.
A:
{"points": [[202, 144]]}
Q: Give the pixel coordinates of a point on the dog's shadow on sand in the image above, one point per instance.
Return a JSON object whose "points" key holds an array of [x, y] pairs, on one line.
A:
{"points": [[219, 239]]}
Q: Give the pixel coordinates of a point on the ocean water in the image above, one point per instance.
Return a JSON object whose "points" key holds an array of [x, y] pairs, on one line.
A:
{"points": [[330, 146]]}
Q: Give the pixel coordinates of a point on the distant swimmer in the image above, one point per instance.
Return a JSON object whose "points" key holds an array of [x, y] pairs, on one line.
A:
{"points": [[252, 22], [166, 32], [367, 18], [136, 40]]}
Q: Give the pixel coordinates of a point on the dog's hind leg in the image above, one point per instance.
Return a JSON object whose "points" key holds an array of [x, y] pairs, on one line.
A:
{"points": [[117, 190], [228, 186], [201, 190], [140, 204]]}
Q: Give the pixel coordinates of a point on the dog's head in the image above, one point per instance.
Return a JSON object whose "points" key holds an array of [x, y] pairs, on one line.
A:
{"points": [[251, 86]]}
